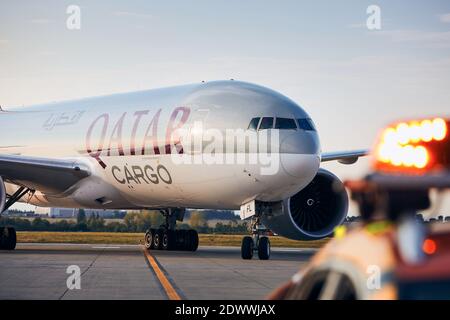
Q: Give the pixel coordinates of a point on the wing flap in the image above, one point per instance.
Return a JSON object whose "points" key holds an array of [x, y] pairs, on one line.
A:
{"points": [[46, 175]]}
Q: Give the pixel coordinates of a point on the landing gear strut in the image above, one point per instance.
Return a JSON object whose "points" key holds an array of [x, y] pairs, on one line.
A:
{"points": [[166, 237], [257, 242]]}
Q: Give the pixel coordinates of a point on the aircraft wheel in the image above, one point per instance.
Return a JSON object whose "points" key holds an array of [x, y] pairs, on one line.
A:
{"points": [[157, 239], [247, 248], [264, 248], [181, 239], [8, 238], [169, 240], [193, 240], [187, 240], [2, 238], [148, 239]]}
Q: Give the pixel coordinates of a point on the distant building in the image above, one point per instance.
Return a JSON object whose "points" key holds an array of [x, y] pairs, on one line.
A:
{"points": [[42, 211], [72, 213], [63, 213]]}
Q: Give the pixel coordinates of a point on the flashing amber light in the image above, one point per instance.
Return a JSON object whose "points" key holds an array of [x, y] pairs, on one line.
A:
{"points": [[407, 145], [429, 246]]}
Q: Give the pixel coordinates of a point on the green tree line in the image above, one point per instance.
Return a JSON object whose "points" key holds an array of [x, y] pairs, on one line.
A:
{"points": [[132, 222]]}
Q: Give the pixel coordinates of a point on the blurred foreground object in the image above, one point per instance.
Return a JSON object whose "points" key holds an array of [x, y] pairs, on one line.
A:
{"points": [[390, 255], [414, 147]]}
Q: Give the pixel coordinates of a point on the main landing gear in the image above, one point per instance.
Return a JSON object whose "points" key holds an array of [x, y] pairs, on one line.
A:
{"points": [[166, 237], [258, 242], [8, 238]]}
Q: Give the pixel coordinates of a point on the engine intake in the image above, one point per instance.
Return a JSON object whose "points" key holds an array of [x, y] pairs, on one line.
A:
{"points": [[312, 213]]}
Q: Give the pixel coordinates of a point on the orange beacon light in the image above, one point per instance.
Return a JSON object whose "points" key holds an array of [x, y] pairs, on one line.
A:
{"points": [[414, 147]]}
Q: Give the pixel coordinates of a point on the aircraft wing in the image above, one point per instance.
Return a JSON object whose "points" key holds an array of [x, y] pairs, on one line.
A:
{"points": [[345, 157], [47, 175]]}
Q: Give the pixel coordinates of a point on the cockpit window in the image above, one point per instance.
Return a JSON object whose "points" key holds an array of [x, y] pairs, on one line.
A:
{"points": [[285, 123], [306, 124], [253, 124], [266, 123]]}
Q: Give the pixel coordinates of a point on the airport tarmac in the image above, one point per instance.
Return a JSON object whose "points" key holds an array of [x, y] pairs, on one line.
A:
{"points": [[38, 271]]}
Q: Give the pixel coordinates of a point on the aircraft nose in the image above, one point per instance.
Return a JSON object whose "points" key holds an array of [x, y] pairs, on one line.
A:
{"points": [[300, 153], [300, 142]]}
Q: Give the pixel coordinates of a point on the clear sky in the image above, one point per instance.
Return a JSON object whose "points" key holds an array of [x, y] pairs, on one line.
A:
{"points": [[350, 79]]}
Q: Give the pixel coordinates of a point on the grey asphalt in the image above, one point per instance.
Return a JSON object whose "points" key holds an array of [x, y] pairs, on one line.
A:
{"points": [[38, 271]]}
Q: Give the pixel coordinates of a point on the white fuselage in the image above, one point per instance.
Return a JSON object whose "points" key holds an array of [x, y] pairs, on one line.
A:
{"points": [[141, 147]]}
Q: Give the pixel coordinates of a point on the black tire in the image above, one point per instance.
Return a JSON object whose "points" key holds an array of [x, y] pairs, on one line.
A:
{"points": [[2, 238], [247, 248], [188, 240], [264, 248], [169, 240], [8, 238], [157, 239], [193, 240], [148, 239], [12, 239], [181, 240], [165, 241]]}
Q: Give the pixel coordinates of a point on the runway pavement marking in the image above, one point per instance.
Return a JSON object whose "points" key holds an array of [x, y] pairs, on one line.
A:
{"points": [[165, 283]]}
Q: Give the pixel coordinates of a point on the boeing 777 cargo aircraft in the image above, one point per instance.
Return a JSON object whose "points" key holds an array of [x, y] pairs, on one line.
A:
{"points": [[223, 145]]}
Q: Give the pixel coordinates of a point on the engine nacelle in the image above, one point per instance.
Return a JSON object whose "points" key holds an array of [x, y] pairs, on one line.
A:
{"points": [[312, 213], [2, 195]]}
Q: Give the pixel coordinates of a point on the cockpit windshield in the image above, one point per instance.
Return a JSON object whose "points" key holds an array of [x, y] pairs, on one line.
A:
{"points": [[263, 123], [266, 123], [285, 123], [306, 124]]}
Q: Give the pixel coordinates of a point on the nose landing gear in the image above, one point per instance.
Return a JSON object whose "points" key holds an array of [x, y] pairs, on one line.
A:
{"points": [[257, 242], [166, 237]]}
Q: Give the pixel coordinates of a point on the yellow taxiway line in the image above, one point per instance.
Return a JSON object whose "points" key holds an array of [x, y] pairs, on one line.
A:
{"points": [[168, 288]]}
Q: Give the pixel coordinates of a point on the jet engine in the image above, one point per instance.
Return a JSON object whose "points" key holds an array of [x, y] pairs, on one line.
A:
{"points": [[313, 212], [2, 195]]}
